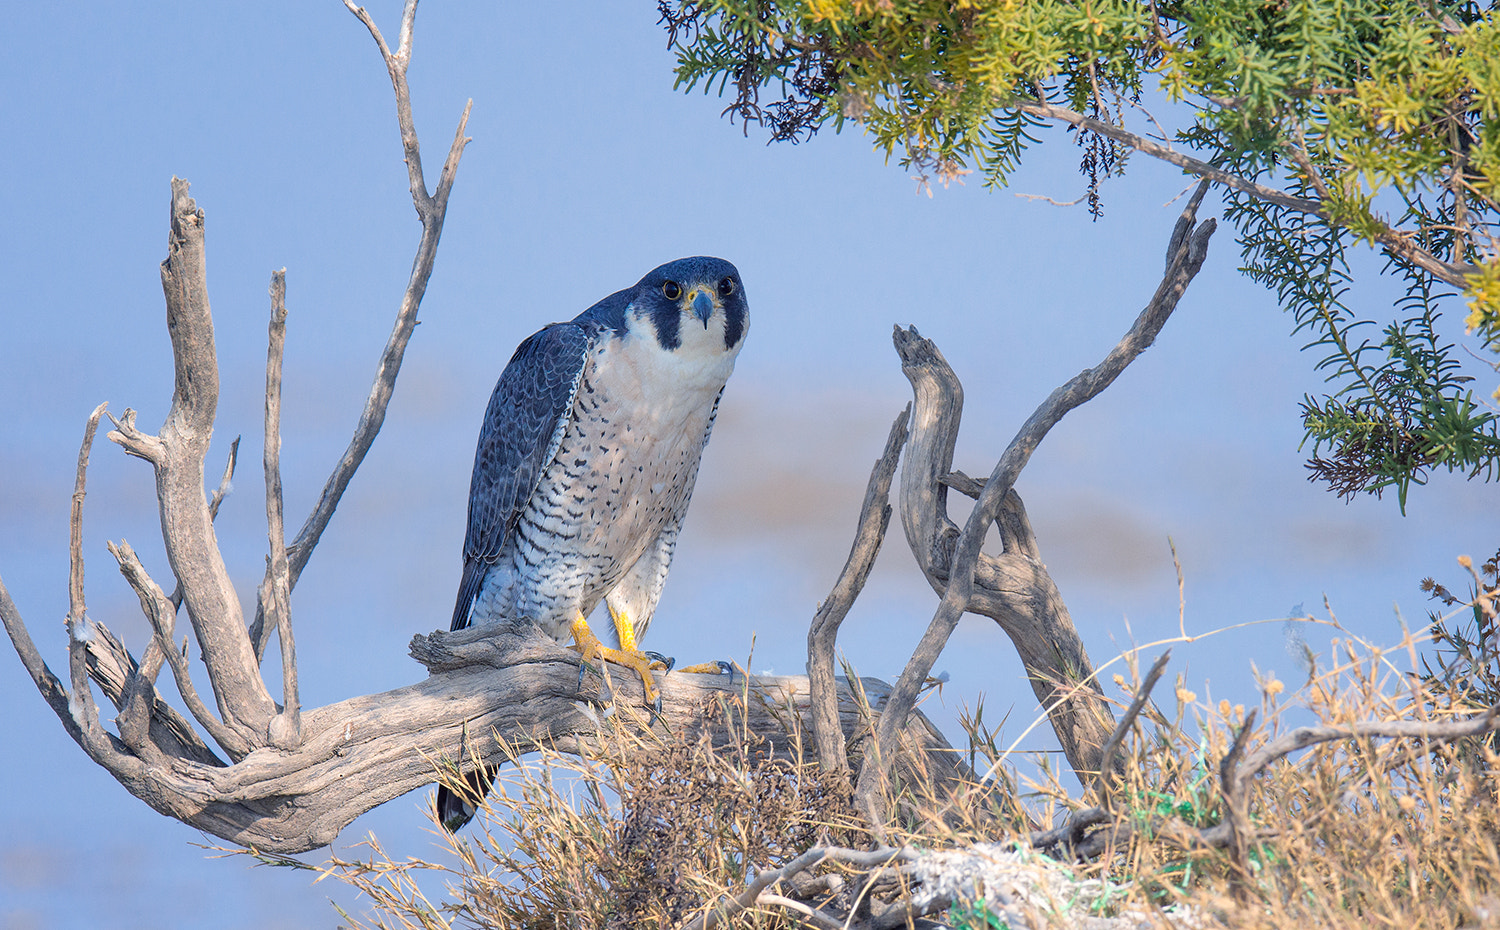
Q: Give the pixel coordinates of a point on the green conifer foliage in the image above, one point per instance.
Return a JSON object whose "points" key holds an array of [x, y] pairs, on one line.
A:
{"points": [[1326, 125]]}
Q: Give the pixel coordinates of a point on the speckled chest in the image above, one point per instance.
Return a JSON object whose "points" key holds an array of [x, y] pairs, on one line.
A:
{"points": [[623, 470]]}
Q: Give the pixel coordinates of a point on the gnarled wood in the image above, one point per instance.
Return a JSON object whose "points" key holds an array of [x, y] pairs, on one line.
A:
{"points": [[176, 454], [822, 633], [1014, 588]]}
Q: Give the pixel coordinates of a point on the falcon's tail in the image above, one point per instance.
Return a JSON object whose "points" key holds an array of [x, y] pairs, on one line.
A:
{"points": [[456, 808], [468, 589]]}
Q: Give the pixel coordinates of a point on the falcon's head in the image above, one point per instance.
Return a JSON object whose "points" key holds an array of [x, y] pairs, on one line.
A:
{"points": [[694, 306]]}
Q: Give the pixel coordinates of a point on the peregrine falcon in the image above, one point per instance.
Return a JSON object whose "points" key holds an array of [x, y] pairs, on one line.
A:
{"points": [[586, 463]]}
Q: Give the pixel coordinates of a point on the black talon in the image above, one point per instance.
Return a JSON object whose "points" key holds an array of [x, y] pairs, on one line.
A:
{"points": [[668, 661], [656, 713], [584, 667]]}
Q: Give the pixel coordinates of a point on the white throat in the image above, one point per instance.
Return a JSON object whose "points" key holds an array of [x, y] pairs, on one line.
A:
{"points": [[700, 364]]}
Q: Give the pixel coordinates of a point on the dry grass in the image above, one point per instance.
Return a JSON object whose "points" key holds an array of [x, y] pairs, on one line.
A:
{"points": [[637, 831], [1353, 832]]}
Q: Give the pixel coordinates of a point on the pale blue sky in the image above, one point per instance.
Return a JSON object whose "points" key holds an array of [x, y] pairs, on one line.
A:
{"points": [[586, 170]]}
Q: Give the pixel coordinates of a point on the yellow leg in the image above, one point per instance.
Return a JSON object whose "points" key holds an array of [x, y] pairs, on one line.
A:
{"points": [[625, 633], [624, 629], [628, 655]]}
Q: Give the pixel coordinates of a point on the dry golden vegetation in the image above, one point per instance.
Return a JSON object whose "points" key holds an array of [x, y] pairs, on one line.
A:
{"points": [[1365, 798]]}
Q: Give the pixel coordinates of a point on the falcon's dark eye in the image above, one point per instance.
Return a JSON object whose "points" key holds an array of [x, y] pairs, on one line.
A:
{"points": [[671, 290], [726, 287]]}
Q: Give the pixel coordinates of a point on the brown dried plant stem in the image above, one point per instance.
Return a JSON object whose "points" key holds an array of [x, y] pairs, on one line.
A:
{"points": [[1014, 588]]}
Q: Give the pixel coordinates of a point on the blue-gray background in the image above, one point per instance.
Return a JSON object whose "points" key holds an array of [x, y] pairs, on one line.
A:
{"points": [[586, 170]]}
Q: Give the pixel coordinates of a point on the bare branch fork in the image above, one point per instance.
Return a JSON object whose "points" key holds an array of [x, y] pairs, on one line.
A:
{"points": [[1014, 588], [152, 736], [432, 210]]}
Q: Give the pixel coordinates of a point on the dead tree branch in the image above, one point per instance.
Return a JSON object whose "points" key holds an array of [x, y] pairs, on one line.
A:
{"points": [[1236, 799], [1014, 588], [1127, 720], [432, 210], [874, 517], [276, 589], [729, 905], [177, 454]]}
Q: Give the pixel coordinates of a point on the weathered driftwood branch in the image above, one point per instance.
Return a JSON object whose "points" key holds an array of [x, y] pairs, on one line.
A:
{"points": [[275, 596], [874, 517], [1013, 588], [755, 891], [176, 453]]}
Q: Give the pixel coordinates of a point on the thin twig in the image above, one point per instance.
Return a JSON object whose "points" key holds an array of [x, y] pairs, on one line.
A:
{"points": [[160, 612], [874, 518], [1053, 201], [76, 710], [1142, 695], [275, 590], [81, 701], [396, 63]]}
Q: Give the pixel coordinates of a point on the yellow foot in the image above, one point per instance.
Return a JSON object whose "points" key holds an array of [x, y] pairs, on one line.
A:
{"points": [[589, 646]]}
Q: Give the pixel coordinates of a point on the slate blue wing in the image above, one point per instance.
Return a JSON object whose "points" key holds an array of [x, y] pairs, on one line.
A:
{"points": [[523, 425]]}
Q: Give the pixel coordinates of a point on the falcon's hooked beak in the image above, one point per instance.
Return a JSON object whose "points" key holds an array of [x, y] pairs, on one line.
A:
{"points": [[703, 305]]}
